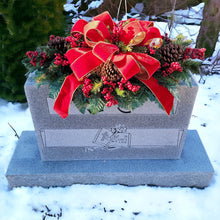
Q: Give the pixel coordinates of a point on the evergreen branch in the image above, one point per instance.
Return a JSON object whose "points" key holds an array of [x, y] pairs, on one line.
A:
{"points": [[174, 79], [96, 105], [80, 101]]}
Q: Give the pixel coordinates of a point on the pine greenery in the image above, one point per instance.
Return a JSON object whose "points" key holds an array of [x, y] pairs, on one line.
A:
{"points": [[133, 100], [96, 105], [80, 101], [23, 26]]}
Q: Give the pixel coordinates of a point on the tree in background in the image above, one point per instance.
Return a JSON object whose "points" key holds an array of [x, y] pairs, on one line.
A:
{"points": [[24, 24], [210, 26], [151, 7]]}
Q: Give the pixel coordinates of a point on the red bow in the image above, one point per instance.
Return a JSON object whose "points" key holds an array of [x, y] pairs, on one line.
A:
{"points": [[97, 34]]}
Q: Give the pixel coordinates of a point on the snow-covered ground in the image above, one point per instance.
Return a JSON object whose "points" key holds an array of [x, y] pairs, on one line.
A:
{"points": [[116, 202]]}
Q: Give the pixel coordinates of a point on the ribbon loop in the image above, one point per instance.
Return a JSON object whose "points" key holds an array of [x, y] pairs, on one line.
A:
{"points": [[74, 53], [79, 26], [85, 64], [96, 31], [133, 33], [152, 35], [104, 51], [106, 18]]}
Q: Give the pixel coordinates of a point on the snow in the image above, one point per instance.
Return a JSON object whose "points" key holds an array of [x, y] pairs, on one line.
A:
{"points": [[71, 6], [95, 4], [186, 22], [193, 15], [116, 202]]}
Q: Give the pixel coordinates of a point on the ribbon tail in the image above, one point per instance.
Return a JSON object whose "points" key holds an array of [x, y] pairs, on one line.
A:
{"points": [[161, 93], [64, 98]]}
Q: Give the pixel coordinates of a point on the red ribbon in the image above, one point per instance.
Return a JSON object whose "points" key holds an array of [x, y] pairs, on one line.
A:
{"points": [[97, 35]]}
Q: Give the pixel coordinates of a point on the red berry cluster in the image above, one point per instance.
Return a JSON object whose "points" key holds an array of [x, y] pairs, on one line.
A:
{"points": [[43, 58], [166, 38], [61, 60], [127, 84], [109, 97], [87, 86], [150, 50], [76, 40], [169, 69], [77, 36], [194, 53], [31, 54], [72, 41], [109, 83], [34, 55], [52, 37], [117, 30], [107, 92], [175, 66]]}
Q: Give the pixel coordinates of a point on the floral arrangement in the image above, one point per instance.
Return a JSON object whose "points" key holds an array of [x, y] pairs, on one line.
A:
{"points": [[104, 63]]}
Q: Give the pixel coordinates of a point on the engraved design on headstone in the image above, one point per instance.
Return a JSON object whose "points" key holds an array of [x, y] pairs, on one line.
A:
{"points": [[113, 138]]}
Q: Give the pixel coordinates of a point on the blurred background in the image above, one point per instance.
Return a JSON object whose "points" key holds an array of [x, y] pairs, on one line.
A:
{"points": [[26, 24]]}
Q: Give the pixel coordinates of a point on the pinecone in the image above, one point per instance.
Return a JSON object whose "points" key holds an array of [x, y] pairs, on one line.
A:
{"points": [[110, 71], [58, 43], [171, 52]]}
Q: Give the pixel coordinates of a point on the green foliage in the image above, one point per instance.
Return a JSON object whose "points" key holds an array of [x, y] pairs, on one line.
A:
{"points": [[96, 105], [184, 76], [139, 49], [23, 26], [54, 87], [121, 93], [80, 101], [133, 100], [192, 66], [123, 47], [181, 40], [171, 82], [97, 86]]}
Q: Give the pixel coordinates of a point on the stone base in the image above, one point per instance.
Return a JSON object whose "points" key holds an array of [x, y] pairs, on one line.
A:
{"points": [[193, 169]]}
